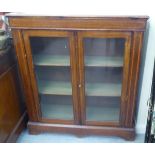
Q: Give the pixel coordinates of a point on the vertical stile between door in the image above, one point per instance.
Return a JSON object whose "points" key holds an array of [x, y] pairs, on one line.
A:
{"points": [[81, 77], [73, 60]]}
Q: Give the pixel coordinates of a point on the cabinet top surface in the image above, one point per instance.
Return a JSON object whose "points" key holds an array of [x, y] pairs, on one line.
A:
{"points": [[23, 15], [27, 21]]}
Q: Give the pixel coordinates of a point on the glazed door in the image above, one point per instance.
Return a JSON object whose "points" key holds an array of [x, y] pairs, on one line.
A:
{"points": [[103, 65], [52, 66]]}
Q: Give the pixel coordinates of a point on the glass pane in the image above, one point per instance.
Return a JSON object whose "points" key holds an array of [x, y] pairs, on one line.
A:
{"points": [[53, 74], [57, 107], [103, 78], [103, 108]]}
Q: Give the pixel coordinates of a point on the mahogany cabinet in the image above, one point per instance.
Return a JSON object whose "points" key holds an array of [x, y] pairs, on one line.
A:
{"points": [[79, 74], [12, 107]]}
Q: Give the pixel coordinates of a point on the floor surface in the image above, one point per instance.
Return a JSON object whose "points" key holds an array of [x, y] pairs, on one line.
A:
{"points": [[25, 137]]}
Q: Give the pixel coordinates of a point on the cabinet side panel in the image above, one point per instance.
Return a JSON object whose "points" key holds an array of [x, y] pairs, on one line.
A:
{"points": [[23, 67], [9, 102], [133, 78]]}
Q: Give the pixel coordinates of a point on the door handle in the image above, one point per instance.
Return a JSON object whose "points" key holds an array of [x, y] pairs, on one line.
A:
{"points": [[80, 85]]}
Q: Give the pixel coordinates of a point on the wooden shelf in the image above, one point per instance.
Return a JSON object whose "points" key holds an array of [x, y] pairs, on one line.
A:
{"points": [[57, 111], [103, 89], [102, 113], [62, 60], [64, 88], [55, 88], [100, 61], [51, 60]]}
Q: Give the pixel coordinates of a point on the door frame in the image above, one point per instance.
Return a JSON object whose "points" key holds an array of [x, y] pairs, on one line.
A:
{"points": [[126, 64], [28, 54]]}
